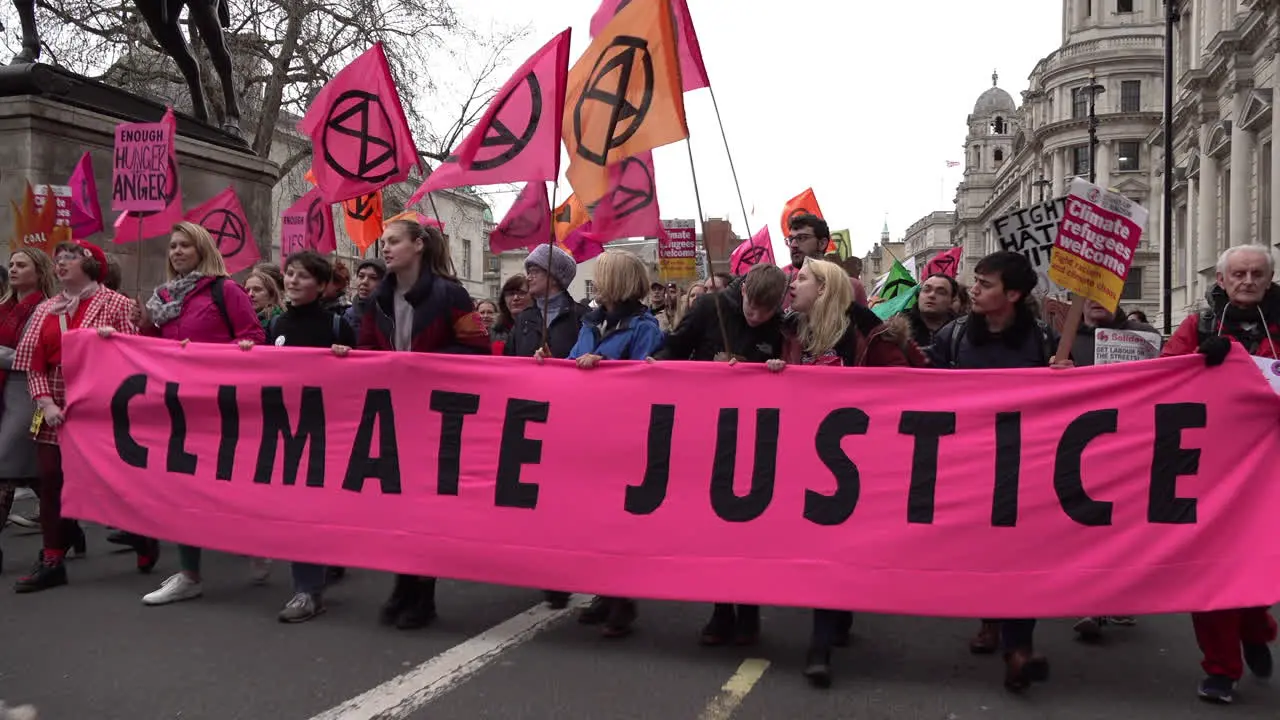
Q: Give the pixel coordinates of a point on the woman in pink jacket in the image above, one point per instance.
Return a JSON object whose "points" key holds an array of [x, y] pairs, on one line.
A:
{"points": [[199, 303]]}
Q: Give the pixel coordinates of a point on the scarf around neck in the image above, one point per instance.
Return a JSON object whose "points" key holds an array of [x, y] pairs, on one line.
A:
{"points": [[163, 311], [65, 303], [15, 315]]}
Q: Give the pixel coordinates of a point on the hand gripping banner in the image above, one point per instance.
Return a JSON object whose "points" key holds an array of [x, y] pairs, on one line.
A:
{"points": [[1130, 489]]}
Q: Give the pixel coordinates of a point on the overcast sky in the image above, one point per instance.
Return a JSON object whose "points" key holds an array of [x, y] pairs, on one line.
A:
{"points": [[863, 101]]}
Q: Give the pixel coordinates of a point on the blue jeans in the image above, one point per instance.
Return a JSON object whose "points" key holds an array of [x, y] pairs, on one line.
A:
{"points": [[307, 578]]}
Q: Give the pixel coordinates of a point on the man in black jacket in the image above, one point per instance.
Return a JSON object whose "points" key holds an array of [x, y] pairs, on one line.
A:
{"points": [[742, 323], [549, 271], [744, 319]]}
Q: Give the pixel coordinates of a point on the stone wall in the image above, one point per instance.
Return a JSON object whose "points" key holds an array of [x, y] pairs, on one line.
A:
{"points": [[41, 140]]}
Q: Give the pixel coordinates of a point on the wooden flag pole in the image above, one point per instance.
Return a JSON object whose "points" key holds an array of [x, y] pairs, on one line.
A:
{"points": [[702, 222], [546, 293], [1070, 327], [746, 221]]}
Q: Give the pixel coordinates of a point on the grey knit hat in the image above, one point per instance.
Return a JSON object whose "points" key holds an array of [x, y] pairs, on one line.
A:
{"points": [[558, 264]]}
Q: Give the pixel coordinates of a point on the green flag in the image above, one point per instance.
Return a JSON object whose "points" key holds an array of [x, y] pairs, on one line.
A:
{"points": [[898, 294], [843, 248]]}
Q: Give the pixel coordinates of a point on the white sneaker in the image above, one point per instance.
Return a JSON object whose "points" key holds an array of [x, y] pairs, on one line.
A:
{"points": [[176, 589], [24, 522], [259, 570], [24, 493]]}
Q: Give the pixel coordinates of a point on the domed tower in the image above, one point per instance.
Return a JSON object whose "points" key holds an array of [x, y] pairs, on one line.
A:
{"points": [[988, 146]]}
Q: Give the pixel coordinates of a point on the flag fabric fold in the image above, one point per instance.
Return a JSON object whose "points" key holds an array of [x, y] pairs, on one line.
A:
{"points": [[86, 213], [624, 96], [308, 225], [898, 292], [629, 208], [518, 137], [527, 223], [758, 249], [223, 216], [693, 72], [362, 218], [944, 263], [359, 134], [806, 203], [569, 216]]}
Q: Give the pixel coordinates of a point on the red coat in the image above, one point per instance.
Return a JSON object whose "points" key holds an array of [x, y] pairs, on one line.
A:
{"points": [[1195, 328], [867, 342]]}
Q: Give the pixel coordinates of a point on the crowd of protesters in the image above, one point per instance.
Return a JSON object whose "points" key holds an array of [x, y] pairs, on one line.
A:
{"points": [[814, 312]]}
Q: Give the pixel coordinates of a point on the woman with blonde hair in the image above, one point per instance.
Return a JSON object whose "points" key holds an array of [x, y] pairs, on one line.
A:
{"points": [[827, 327], [199, 303], [31, 282], [621, 328], [268, 301]]}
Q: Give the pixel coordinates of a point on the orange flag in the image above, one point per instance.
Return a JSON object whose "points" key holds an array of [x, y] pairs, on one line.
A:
{"points": [[37, 229], [624, 96], [363, 219], [806, 203], [570, 216]]}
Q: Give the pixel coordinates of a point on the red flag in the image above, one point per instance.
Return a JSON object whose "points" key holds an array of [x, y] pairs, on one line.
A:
{"points": [[581, 244], [806, 203], [363, 219], [692, 70], [518, 138], [132, 227], [629, 208], [308, 225], [224, 218], [759, 249], [527, 223], [358, 130], [86, 213], [947, 263]]}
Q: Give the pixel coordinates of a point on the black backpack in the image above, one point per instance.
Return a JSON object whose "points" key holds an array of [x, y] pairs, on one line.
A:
{"points": [[220, 301], [962, 325]]}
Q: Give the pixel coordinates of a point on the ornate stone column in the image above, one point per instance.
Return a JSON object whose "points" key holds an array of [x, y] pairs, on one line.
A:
{"points": [[1242, 142], [1207, 235]]}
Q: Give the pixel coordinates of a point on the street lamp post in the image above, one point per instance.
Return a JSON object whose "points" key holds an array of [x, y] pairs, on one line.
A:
{"points": [[1094, 90], [1166, 205]]}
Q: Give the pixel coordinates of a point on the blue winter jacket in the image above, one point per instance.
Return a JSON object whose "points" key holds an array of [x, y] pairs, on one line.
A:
{"points": [[635, 338]]}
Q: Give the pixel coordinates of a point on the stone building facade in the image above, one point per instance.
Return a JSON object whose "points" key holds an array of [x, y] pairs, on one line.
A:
{"points": [[1016, 156], [1225, 191], [928, 236]]}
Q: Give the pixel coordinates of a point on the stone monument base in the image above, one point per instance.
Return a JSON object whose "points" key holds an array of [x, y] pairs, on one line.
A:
{"points": [[49, 118]]}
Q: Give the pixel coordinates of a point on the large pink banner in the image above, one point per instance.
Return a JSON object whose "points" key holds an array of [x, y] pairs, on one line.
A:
{"points": [[1125, 489]]}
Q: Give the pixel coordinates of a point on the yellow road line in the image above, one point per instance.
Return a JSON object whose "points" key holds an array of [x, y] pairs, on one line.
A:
{"points": [[735, 690]]}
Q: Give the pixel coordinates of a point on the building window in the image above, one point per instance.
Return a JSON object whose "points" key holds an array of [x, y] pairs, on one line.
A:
{"points": [[1088, 8], [1131, 96], [998, 126], [1132, 285], [493, 264], [998, 155], [590, 291], [1080, 161], [466, 259], [495, 291], [1079, 103], [1128, 151], [1124, 6]]}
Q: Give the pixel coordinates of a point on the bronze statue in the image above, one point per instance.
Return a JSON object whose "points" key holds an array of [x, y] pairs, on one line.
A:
{"points": [[209, 17]]}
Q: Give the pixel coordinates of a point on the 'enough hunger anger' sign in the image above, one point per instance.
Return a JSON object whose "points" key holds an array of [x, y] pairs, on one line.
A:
{"points": [[1017, 493]]}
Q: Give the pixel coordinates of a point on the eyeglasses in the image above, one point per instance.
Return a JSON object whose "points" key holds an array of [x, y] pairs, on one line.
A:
{"points": [[797, 239], [517, 293]]}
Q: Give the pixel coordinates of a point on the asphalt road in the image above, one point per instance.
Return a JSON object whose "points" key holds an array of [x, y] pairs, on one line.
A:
{"points": [[92, 651]]}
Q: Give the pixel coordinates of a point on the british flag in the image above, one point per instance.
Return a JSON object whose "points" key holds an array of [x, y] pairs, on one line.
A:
{"points": [[952, 163]]}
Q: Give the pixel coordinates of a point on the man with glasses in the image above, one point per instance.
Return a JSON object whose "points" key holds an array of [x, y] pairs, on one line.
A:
{"points": [[809, 238]]}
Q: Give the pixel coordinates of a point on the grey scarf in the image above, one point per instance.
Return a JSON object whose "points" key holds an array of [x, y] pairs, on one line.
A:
{"points": [[163, 311]]}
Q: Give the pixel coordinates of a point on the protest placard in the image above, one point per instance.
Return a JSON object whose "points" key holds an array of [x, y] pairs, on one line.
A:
{"points": [[1032, 231], [61, 202], [140, 178], [1096, 242], [678, 251], [1118, 346]]}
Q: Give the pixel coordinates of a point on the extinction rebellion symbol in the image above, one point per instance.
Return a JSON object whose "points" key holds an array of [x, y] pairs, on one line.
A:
{"points": [[358, 119], [361, 208], [628, 60], [228, 231], [499, 135], [316, 224], [627, 199]]}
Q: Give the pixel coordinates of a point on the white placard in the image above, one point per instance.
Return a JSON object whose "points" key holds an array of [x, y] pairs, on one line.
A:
{"points": [[1032, 231], [1117, 346], [1271, 370]]}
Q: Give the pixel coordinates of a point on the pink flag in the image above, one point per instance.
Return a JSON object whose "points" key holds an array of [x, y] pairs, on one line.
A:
{"points": [[527, 223], [86, 213], [518, 138], [752, 252], [358, 130], [224, 218], [134, 226], [582, 244], [692, 70], [947, 263], [308, 225], [629, 208]]}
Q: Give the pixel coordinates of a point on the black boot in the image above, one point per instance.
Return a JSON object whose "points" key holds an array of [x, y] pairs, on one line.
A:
{"points": [[817, 667], [79, 543], [556, 599], [622, 615], [47, 574], [401, 596], [421, 610], [719, 630], [148, 553], [746, 630]]}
